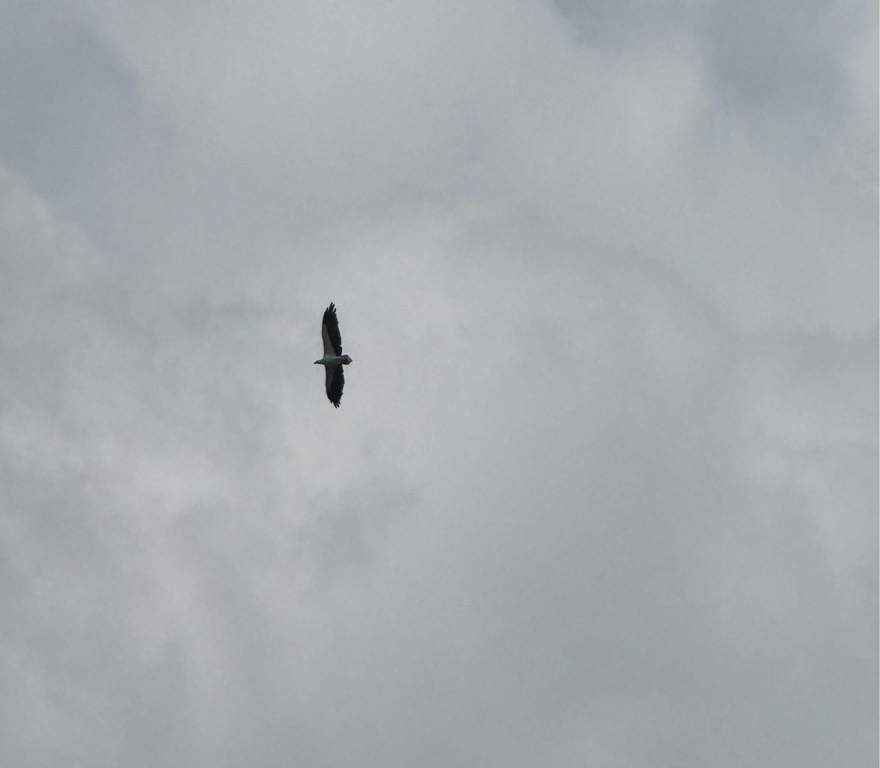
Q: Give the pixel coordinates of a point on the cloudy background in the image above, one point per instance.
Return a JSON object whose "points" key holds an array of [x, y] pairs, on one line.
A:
{"points": [[603, 488]]}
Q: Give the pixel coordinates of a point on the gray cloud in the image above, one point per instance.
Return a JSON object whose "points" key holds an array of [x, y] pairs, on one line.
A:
{"points": [[69, 100], [603, 487]]}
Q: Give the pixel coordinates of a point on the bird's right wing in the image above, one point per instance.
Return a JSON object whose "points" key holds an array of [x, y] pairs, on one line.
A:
{"points": [[330, 332]]}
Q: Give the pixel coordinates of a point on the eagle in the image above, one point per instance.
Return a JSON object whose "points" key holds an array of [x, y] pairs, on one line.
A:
{"points": [[333, 359]]}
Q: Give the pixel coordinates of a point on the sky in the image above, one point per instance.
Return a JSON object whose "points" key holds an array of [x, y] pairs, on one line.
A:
{"points": [[603, 486]]}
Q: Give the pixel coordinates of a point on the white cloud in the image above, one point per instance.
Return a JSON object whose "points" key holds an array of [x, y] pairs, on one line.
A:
{"points": [[603, 485]]}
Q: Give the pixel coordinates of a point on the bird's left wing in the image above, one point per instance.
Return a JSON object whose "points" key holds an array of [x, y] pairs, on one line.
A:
{"points": [[334, 382]]}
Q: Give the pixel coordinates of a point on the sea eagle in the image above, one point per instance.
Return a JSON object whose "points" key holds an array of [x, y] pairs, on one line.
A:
{"points": [[333, 359]]}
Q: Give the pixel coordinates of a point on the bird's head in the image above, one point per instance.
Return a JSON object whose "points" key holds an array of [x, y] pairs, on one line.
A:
{"points": [[346, 359]]}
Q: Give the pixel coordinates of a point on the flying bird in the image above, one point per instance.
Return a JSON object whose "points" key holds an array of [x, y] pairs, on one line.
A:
{"points": [[333, 359]]}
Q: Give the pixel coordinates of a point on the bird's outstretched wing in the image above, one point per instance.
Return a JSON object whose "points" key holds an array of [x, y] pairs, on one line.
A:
{"points": [[335, 381], [330, 332]]}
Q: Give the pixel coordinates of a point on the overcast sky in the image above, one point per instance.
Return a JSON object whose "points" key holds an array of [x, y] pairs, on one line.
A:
{"points": [[603, 487]]}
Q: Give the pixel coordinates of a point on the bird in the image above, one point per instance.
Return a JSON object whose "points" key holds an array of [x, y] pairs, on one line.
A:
{"points": [[333, 359]]}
